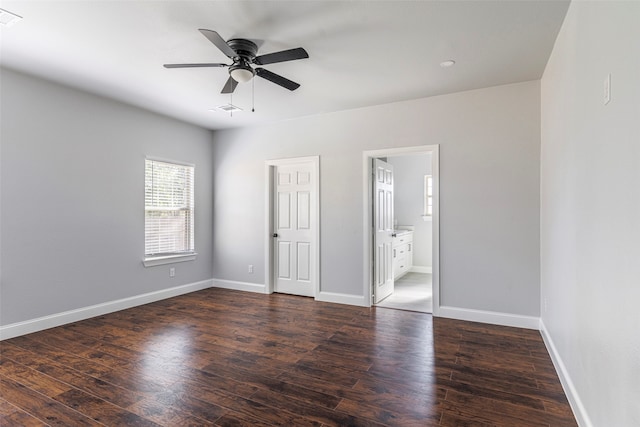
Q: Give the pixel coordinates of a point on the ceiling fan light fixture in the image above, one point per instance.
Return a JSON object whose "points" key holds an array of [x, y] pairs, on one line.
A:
{"points": [[241, 73]]}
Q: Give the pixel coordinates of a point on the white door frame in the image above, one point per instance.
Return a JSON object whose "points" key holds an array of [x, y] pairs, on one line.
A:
{"points": [[367, 215], [270, 166]]}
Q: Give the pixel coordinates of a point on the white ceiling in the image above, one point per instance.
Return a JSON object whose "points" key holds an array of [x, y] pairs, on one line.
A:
{"points": [[362, 53]]}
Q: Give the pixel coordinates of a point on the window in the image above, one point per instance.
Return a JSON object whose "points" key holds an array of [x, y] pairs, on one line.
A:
{"points": [[168, 211], [428, 198]]}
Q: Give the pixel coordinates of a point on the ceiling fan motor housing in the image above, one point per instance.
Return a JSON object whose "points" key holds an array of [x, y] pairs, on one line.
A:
{"points": [[246, 49]]}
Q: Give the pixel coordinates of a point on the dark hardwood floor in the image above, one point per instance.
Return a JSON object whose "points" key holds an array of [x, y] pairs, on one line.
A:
{"points": [[219, 357]]}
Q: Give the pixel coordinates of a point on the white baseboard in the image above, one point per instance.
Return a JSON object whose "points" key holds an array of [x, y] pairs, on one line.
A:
{"points": [[240, 286], [342, 298], [420, 269], [570, 391], [491, 317], [41, 323]]}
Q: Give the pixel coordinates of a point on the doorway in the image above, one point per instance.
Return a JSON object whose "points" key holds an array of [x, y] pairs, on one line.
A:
{"points": [[414, 234], [292, 227]]}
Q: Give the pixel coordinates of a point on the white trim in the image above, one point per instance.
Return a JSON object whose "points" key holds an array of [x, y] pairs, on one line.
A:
{"points": [[367, 214], [168, 259], [490, 317], [402, 151], [240, 286], [579, 411], [171, 161], [268, 226], [435, 229], [339, 298], [292, 160], [58, 319], [420, 269]]}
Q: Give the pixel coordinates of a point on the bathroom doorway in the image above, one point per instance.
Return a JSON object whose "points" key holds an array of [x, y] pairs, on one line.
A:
{"points": [[414, 232]]}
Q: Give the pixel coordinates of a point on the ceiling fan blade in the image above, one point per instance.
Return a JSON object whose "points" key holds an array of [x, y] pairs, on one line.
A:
{"points": [[229, 86], [277, 79], [219, 42], [282, 56], [194, 65]]}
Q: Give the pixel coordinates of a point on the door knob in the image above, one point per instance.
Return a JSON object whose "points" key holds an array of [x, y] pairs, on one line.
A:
{"points": [[275, 234], [394, 235]]}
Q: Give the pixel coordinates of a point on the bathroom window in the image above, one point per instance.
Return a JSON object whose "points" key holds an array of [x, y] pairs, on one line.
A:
{"points": [[427, 211]]}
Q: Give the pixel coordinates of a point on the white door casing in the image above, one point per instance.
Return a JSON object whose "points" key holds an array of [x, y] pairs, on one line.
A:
{"points": [[294, 238], [367, 217], [383, 230]]}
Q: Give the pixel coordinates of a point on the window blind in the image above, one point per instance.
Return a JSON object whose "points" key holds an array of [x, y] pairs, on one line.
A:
{"points": [[169, 209]]}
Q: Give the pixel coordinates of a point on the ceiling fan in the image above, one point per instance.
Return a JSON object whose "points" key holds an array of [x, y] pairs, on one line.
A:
{"points": [[243, 53]]}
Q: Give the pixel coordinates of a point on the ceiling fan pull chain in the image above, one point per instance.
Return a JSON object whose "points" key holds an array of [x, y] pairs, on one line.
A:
{"points": [[253, 95], [231, 103]]}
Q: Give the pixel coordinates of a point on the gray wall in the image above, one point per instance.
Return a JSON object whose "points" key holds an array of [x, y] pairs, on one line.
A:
{"points": [[408, 202], [72, 206], [590, 208], [490, 142]]}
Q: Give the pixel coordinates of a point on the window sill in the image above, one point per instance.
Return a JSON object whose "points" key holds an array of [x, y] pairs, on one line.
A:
{"points": [[169, 259]]}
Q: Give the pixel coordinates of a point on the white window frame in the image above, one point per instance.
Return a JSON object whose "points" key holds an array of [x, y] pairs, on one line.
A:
{"points": [[151, 260], [427, 211]]}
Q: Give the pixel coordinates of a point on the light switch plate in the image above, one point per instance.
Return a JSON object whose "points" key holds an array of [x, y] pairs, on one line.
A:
{"points": [[607, 89]]}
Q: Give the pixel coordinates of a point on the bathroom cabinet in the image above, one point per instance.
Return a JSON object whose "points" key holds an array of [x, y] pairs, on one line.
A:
{"points": [[402, 253]]}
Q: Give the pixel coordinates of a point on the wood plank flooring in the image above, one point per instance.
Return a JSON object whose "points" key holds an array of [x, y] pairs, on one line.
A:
{"points": [[228, 358]]}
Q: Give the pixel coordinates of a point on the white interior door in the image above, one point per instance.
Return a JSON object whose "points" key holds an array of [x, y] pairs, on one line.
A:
{"points": [[383, 230], [294, 229]]}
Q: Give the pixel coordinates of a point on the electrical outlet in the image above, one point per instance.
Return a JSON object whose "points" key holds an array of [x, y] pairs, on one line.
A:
{"points": [[250, 268], [172, 272]]}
